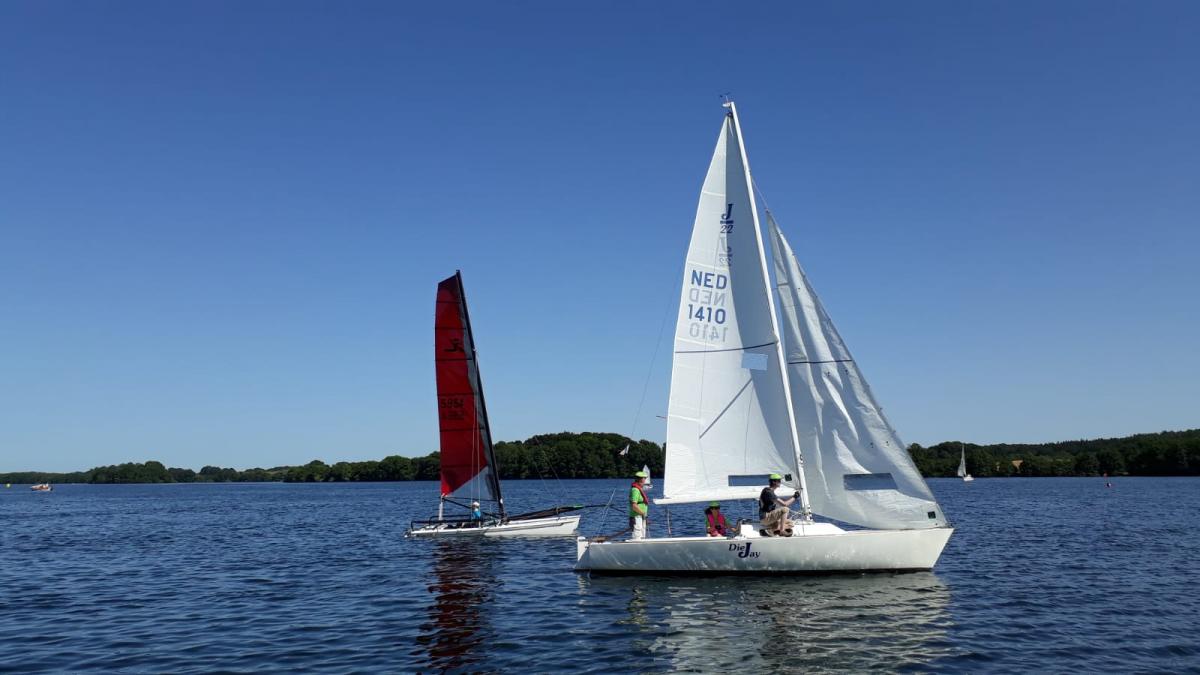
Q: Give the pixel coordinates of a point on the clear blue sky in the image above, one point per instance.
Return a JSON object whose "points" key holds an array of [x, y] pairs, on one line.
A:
{"points": [[222, 223]]}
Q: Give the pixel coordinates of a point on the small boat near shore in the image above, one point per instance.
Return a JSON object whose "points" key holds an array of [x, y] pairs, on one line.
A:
{"points": [[41, 487], [469, 472], [962, 465]]}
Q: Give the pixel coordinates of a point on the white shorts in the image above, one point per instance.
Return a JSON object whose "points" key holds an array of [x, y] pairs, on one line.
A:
{"points": [[638, 525]]}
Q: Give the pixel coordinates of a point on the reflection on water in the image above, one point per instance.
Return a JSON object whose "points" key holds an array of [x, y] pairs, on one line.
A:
{"points": [[878, 621], [463, 584]]}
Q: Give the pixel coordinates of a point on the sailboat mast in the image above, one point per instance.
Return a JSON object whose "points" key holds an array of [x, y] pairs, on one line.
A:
{"points": [[805, 507], [489, 451]]}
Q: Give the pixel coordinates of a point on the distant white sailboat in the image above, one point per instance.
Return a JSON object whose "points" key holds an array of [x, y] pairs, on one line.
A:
{"points": [[469, 472], [962, 465], [646, 468], [747, 397]]}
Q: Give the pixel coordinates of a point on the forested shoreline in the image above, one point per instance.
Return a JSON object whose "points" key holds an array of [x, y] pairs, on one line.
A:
{"points": [[598, 455], [1167, 453]]}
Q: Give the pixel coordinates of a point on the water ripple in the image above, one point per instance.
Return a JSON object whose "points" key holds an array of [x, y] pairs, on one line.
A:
{"points": [[1042, 574]]}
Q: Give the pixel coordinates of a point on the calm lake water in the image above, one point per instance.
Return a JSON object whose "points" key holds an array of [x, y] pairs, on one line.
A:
{"points": [[1042, 574]]}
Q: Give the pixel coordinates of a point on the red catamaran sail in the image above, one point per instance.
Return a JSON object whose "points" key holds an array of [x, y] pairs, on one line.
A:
{"points": [[469, 468]]}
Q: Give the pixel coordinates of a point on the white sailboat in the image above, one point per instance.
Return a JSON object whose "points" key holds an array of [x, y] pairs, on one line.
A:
{"points": [[469, 472], [646, 469], [962, 465], [745, 403]]}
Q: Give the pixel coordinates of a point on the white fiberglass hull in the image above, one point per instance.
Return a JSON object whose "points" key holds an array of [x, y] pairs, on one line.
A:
{"points": [[555, 526], [822, 549]]}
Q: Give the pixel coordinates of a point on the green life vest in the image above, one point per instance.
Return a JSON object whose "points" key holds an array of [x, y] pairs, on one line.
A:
{"points": [[636, 496]]}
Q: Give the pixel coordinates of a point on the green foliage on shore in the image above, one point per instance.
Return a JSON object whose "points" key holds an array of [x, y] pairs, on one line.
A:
{"points": [[596, 455], [35, 477], [585, 455], [148, 472], [1167, 453], [563, 455]]}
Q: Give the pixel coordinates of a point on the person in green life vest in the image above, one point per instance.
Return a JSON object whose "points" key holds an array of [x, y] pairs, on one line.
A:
{"points": [[715, 520], [639, 506]]}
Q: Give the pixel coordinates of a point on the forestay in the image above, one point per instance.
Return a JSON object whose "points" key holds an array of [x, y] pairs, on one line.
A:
{"points": [[728, 417], [856, 468], [467, 461]]}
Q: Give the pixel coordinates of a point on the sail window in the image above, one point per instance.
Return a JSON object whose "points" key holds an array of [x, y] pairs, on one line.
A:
{"points": [[869, 481], [754, 361], [754, 479]]}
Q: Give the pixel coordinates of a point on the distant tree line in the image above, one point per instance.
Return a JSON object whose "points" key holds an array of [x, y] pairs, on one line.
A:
{"points": [[1167, 453], [598, 455], [148, 472], [563, 455]]}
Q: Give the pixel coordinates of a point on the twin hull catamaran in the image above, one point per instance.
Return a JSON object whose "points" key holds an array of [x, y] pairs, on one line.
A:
{"points": [[747, 398], [469, 472]]}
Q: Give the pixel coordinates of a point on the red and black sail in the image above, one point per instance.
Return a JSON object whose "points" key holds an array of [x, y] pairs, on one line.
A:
{"points": [[469, 468]]}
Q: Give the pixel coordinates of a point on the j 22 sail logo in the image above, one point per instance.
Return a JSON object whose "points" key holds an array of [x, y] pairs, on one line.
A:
{"points": [[727, 219], [743, 550]]}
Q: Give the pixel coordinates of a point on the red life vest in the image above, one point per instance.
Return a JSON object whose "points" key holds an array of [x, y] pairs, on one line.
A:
{"points": [[716, 524]]}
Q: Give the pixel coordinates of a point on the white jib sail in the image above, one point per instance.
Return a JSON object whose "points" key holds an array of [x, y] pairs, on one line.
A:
{"points": [[727, 420], [962, 464], [856, 467]]}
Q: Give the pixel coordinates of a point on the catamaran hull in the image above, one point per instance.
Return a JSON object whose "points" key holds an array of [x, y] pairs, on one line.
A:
{"points": [[846, 551], [560, 526]]}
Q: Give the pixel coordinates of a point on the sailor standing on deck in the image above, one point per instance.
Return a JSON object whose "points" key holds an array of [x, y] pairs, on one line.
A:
{"points": [[639, 506]]}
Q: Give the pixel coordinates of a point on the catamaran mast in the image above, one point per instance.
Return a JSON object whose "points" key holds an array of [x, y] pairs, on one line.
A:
{"points": [[490, 453], [805, 508]]}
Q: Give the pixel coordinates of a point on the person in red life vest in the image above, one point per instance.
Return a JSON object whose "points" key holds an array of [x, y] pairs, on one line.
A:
{"points": [[639, 506], [715, 520]]}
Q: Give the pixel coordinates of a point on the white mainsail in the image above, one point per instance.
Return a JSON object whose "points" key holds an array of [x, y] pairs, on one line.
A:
{"points": [[728, 420], [856, 467], [962, 463]]}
